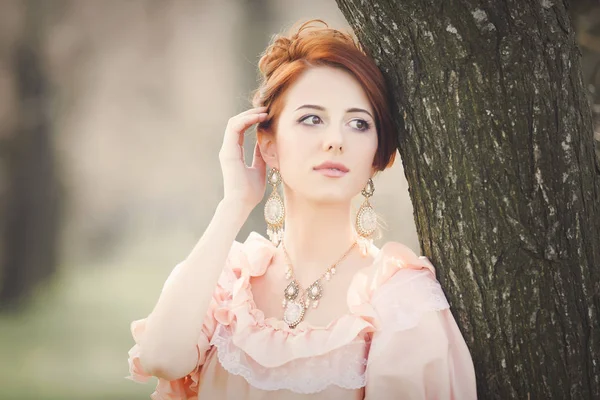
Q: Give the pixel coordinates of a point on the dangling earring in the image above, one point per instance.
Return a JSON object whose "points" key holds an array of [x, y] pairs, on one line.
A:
{"points": [[366, 219], [274, 209]]}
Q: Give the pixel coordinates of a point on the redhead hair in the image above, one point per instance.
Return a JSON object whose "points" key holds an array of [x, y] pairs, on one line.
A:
{"points": [[287, 56]]}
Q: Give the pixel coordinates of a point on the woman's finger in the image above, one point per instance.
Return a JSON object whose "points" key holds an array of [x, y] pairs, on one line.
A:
{"points": [[234, 133], [255, 110], [248, 120]]}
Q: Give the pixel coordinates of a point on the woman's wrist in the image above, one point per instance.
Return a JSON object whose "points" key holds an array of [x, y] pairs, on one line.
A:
{"points": [[235, 208]]}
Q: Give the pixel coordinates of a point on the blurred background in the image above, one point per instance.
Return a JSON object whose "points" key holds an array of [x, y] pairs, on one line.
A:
{"points": [[111, 118]]}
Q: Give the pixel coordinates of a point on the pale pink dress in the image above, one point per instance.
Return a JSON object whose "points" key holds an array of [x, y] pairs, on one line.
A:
{"points": [[398, 339]]}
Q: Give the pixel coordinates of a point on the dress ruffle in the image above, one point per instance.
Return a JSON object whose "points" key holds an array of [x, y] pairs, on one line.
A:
{"points": [[263, 350], [270, 341], [343, 367], [392, 257], [185, 388]]}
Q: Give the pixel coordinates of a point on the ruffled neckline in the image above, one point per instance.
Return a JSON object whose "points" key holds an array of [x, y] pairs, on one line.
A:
{"points": [[253, 257], [239, 327], [252, 332]]}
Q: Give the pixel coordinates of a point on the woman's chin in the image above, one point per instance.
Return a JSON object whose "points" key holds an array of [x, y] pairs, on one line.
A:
{"points": [[325, 193], [330, 197]]}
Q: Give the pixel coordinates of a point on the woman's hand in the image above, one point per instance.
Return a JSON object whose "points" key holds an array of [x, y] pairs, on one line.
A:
{"points": [[242, 185]]}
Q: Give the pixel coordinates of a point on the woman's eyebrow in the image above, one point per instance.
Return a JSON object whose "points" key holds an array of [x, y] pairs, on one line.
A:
{"points": [[355, 109], [321, 108]]}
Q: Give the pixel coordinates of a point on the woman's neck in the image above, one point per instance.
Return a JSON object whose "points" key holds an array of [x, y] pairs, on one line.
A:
{"points": [[316, 235]]}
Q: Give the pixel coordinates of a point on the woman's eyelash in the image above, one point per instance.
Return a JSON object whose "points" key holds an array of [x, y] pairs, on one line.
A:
{"points": [[302, 119], [367, 125]]}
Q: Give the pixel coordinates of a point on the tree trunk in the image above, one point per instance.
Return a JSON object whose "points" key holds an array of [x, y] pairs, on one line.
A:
{"points": [[496, 139]]}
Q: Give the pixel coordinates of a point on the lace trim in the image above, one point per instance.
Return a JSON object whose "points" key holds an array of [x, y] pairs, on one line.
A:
{"points": [[344, 367]]}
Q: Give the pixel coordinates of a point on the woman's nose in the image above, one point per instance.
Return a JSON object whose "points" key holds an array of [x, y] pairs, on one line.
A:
{"points": [[333, 141]]}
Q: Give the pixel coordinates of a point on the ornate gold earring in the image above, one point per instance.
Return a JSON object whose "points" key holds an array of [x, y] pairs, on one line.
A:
{"points": [[274, 209], [366, 219]]}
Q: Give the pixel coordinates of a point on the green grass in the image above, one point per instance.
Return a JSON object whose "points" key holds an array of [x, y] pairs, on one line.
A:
{"points": [[72, 342]]}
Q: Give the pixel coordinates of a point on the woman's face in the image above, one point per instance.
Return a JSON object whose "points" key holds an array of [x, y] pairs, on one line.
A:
{"points": [[326, 117]]}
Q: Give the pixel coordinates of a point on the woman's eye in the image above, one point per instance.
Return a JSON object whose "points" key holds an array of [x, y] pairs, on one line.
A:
{"points": [[361, 124], [312, 118]]}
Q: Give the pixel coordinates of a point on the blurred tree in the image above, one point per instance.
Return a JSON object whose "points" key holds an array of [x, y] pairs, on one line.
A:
{"points": [[586, 20], [29, 192], [495, 135]]}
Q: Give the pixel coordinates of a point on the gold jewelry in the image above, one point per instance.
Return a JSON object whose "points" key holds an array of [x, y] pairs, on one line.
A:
{"points": [[296, 299], [366, 219], [274, 209]]}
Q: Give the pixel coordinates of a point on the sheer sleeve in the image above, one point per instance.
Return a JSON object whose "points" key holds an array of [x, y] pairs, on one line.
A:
{"points": [[418, 352], [186, 387]]}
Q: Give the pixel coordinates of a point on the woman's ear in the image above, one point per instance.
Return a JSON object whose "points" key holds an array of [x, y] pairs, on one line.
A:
{"points": [[268, 149]]}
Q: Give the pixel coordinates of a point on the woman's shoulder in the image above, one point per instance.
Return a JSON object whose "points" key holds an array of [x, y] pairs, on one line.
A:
{"points": [[397, 286], [394, 262]]}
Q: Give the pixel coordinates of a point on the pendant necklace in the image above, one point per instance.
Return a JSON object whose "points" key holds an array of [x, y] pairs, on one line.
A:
{"points": [[296, 299]]}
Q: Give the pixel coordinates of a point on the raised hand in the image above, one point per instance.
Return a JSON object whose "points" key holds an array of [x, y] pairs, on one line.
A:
{"points": [[242, 183]]}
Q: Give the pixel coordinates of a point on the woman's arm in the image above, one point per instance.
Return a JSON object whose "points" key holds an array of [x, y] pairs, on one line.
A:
{"points": [[173, 326], [429, 361], [168, 348], [418, 352]]}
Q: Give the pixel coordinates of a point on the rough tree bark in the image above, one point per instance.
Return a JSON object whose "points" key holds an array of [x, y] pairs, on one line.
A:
{"points": [[495, 135]]}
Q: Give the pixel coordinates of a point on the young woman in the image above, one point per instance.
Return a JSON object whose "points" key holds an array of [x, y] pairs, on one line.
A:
{"points": [[315, 311]]}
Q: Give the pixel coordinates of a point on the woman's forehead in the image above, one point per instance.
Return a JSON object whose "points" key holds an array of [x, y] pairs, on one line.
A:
{"points": [[330, 88]]}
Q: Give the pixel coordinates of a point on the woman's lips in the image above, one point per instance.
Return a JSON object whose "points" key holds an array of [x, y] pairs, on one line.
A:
{"points": [[331, 172]]}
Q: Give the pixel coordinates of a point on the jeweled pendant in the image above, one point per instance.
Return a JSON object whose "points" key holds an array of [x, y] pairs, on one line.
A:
{"points": [[275, 235], [366, 220], [274, 213], [292, 290], [314, 291], [293, 314], [274, 177]]}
